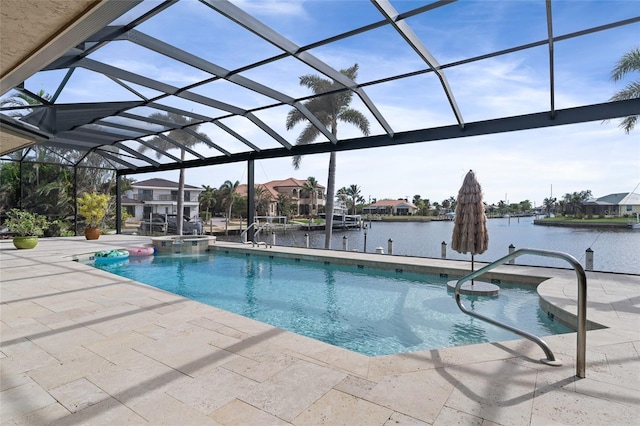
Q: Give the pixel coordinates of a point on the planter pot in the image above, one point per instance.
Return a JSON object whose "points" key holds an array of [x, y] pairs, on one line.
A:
{"points": [[25, 242], [92, 233]]}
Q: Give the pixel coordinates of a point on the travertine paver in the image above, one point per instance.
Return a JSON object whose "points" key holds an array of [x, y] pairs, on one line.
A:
{"points": [[420, 394], [212, 390], [78, 394], [21, 400], [292, 390], [339, 408], [80, 346]]}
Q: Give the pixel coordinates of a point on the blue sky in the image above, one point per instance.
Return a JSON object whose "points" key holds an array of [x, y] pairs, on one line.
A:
{"points": [[512, 166]]}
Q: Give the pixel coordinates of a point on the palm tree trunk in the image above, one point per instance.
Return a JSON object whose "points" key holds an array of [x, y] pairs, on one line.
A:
{"points": [[331, 191]]}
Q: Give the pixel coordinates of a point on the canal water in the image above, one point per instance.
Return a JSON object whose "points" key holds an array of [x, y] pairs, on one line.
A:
{"points": [[615, 250]]}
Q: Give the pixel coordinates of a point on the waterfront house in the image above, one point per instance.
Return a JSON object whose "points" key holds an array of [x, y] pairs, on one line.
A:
{"points": [[159, 196], [399, 207], [617, 205], [294, 188]]}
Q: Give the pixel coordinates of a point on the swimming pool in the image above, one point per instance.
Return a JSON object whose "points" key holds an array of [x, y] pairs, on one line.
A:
{"points": [[367, 310]]}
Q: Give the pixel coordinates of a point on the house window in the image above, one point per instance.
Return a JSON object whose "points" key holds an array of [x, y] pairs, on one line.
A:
{"points": [[629, 207], [145, 194]]}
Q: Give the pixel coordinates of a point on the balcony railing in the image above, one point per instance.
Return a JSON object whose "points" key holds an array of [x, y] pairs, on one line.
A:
{"points": [[162, 197]]}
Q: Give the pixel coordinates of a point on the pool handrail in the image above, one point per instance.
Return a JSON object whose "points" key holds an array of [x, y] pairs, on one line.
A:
{"points": [[582, 305], [258, 228]]}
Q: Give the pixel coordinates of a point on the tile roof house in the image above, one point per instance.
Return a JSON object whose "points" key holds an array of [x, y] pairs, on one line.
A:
{"points": [[399, 207], [294, 188], [160, 196], [619, 204]]}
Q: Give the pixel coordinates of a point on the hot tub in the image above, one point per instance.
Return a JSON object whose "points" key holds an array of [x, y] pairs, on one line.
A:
{"points": [[182, 243]]}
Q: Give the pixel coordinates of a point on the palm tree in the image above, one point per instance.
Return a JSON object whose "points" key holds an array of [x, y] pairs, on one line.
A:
{"points": [[311, 188], [285, 205], [576, 199], [629, 62], [228, 192], [207, 199], [23, 100], [548, 205], [329, 110], [262, 199], [427, 206], [184, 138], [341, 195], [354, 193]]}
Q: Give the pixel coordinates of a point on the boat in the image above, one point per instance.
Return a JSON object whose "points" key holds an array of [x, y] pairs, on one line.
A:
{"points": [[341, 218], [635, 226]]}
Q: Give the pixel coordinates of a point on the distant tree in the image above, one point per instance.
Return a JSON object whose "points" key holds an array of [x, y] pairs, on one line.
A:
{"points": [[285, 205], [576, 199], [525, 206], [262, 199], [419, 203], [502, 207], [353, 192], [229, 195], [436, 208], [630, 62], [341, 195], [310, 188], [207, 200], [452, 203], [549, 204]]}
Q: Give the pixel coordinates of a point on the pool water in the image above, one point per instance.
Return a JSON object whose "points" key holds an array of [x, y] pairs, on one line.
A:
{"points": [[370, 311]]}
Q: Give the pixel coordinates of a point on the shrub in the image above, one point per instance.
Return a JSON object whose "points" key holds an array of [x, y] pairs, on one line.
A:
{"points": [[93, 207], [26, 224]]}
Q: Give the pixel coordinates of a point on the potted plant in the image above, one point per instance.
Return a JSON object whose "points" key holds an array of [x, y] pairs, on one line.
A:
{"points": [[26, 227], [93, 207]]}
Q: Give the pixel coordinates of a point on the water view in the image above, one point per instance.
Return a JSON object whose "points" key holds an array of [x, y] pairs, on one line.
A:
{"points": [[615, 250]]}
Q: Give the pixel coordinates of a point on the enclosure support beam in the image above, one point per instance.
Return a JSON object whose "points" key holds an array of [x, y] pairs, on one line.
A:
{"points": [[251, 202], [118, 204]]}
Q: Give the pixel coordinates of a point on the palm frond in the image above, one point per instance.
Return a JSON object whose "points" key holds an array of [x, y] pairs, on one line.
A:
{"points": [[632, 91], [629, 62], [356, 118]]}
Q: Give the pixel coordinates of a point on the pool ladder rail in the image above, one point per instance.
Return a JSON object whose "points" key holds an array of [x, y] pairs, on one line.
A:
{"points": [[582, 306], [243, 236]]}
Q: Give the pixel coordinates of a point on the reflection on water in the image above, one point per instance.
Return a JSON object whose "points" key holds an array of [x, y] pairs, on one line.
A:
{"points": [[374, 312], [616, 250]]}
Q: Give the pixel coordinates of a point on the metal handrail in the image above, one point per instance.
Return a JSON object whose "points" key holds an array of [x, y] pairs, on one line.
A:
{"points": [[243, 235], [582, 305]]}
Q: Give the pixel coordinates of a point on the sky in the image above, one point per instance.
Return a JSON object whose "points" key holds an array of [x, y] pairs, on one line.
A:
{"points": [[527, 165]]}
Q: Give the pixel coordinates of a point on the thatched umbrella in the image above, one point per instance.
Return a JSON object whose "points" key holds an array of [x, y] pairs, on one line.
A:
{"points": [[470, 229]]}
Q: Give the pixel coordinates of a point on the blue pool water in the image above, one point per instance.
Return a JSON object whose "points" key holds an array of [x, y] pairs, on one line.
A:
{"points": [[371, 311]]}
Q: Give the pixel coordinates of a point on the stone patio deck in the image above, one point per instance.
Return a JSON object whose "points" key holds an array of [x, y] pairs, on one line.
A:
{"points": [[81, 346]]}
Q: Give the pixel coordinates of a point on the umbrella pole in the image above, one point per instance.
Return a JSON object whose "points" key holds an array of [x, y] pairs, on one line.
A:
{"points": [[472, 268]]}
